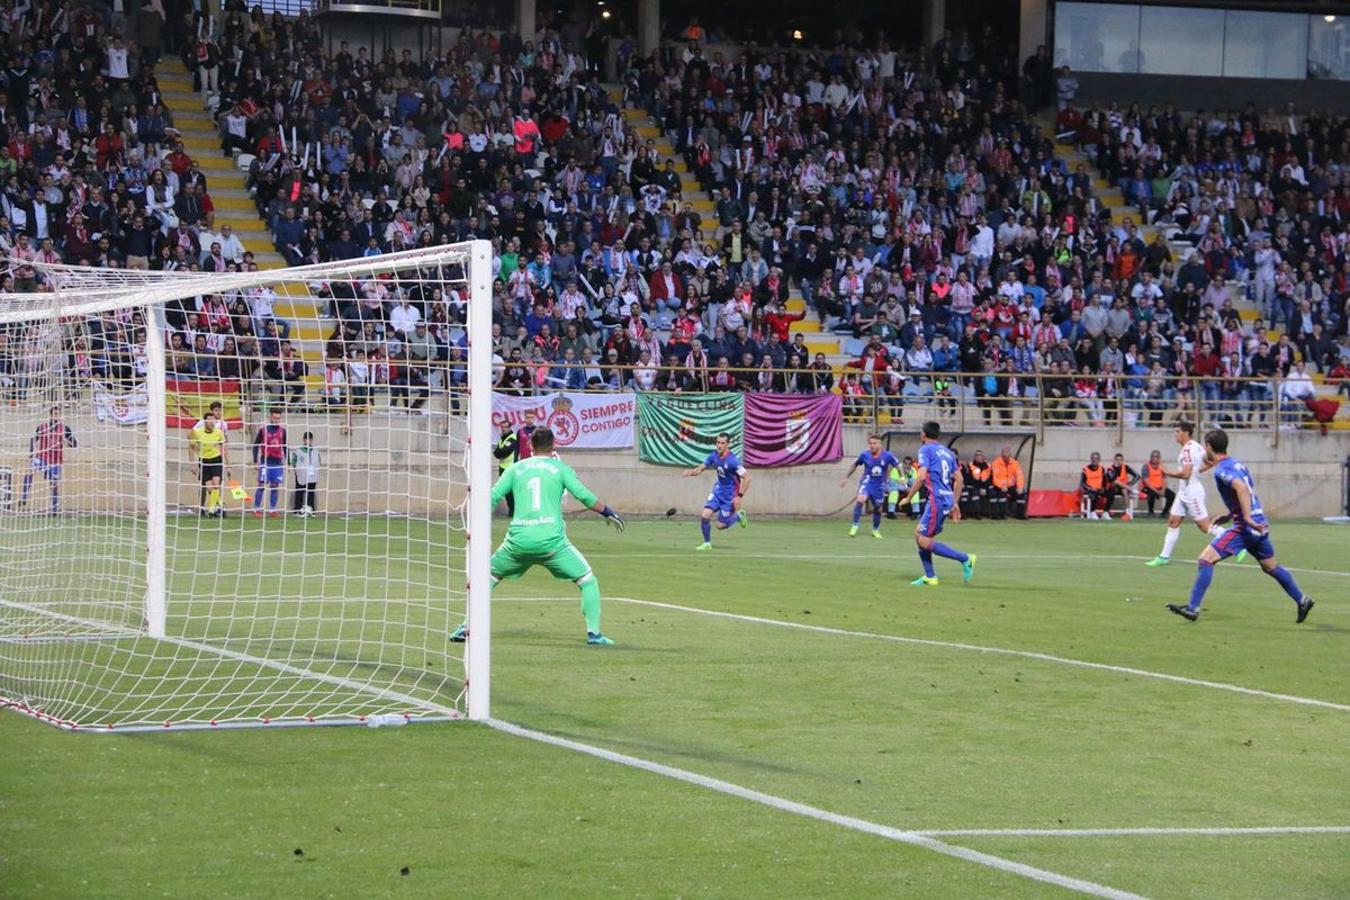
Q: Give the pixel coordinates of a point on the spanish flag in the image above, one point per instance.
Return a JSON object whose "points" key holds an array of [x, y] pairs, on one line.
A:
{"points": [[186, 402]]}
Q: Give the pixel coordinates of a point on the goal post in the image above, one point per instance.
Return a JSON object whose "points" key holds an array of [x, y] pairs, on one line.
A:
{"points": [[479, 581], [303, 560], [156, 502]]}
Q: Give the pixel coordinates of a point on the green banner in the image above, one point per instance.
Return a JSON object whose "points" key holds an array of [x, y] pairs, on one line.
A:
{"points": [[681, 429]]}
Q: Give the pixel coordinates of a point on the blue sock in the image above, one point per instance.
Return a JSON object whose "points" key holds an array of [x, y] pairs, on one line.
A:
{"points": [[727, 520], [272, 498], [1286, 580], [707, 529], [56, 500], [943, 550], [876, 519], [857, 513], [28, 486], [1204, 574], [257, 498], [926, 558]]}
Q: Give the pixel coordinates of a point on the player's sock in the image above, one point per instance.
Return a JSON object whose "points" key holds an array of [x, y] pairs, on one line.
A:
{"points": [[706, 525], [876, 519], [257, 497], [27, 486], [56, 496], [1170, 542], [946, 552], [213, 498], [1286, 580], [857, 513], [1216, 530], [590, 602], [1204, 574], [726, 521], [926, 557], [272, 498]]}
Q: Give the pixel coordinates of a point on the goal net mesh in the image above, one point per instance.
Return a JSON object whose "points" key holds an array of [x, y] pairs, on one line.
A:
{"points": [[310, 574]]}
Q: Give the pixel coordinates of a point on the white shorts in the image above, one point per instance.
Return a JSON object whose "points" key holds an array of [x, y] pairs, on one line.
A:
{"points": [[1190, 501]]}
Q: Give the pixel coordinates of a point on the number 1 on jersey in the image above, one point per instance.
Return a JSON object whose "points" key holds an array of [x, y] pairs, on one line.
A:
{"points": [[536, 493]]}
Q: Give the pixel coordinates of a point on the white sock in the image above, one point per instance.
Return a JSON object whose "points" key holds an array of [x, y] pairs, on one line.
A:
{"points": [[1170, 542], [1216, 530]]}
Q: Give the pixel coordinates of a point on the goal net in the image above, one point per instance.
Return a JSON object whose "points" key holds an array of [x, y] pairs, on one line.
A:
{"points": [[246, 497]]}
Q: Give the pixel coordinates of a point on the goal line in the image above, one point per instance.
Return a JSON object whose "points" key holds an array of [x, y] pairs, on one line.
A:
{"points": [[419, 709]]}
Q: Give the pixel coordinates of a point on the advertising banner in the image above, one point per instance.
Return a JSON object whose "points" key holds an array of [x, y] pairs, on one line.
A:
{"points": [[121, 406], [681, 429], [579, 421], [792, 429]]}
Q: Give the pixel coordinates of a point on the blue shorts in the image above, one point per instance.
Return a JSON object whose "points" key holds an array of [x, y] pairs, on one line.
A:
{"points": [[50, 471], [721, 501], [273, 475], [932, 519], [1238, 538], [874, 492]]}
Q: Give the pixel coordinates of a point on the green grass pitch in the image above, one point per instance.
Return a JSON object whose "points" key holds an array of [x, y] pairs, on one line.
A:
{"points": [[916, 736]]}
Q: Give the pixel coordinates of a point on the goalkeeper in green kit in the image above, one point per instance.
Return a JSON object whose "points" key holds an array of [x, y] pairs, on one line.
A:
{"points": [[537, 535]]}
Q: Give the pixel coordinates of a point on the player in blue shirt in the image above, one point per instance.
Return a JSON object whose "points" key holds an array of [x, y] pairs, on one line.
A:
{"points": [[1250, 532], [940, 474], [873, 485], [732, 481]]}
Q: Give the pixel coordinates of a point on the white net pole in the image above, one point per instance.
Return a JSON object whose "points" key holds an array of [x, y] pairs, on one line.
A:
{"points": [[311, 570], [479, 645], [156, 519]]}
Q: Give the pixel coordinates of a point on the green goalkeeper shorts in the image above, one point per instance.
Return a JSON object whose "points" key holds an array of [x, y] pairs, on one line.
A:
{"points": [[562, 560]]}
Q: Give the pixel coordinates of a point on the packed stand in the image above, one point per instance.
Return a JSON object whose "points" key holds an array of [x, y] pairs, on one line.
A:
{"points": [[95, 173], [1260, 204]]}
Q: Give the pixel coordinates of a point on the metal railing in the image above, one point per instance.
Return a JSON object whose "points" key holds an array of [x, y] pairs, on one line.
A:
{"points": [[993, 400], [879, 400]]}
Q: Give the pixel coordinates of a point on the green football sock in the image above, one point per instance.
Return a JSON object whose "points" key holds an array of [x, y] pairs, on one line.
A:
{"points": [[590, 603]]}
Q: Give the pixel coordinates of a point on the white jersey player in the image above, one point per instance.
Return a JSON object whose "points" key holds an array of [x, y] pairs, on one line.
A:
{"points": [[1192, 461]]}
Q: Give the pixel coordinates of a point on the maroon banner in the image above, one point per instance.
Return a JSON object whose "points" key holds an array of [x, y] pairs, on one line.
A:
{"points": [[793, 429]]}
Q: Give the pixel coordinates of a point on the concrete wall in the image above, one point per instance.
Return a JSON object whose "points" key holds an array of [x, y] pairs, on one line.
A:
{"points": [[410, 464], [1301, 477]]}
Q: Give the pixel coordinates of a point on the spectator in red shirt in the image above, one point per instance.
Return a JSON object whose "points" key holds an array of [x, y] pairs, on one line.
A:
{"points": [[667, 287], [779, 322]]}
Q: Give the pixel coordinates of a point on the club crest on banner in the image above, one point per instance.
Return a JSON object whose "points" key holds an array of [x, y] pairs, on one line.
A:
{"points": [[563, 422], [797, 435]]}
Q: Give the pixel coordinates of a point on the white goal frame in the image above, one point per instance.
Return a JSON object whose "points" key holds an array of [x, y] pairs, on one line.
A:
{"points": [[82, 291]]}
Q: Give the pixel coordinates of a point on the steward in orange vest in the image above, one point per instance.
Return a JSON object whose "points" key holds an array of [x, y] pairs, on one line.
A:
{"points": [[1153, 484], [975, 493], [1093, 483], [1008, 486]]}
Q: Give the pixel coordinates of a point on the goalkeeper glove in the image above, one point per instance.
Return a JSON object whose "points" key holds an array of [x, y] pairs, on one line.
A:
{"points": [[612, 517]]}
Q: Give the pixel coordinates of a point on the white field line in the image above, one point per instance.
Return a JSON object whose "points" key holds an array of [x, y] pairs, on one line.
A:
{"points": [[916, 839], [999, 651], [1090, 888], [260, 661], [1135, 832], [880, 556]]}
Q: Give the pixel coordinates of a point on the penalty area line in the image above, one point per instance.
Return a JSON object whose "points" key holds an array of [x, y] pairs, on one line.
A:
{"points": [[915, 839], [994, 651], [739, 553], [1134, 832]]}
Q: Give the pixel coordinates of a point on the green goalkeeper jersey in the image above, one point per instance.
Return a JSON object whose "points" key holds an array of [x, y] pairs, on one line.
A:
{"points": [[537, 484]]}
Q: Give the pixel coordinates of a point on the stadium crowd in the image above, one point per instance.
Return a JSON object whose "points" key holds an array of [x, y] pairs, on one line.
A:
{"points": [[908, 196]]}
